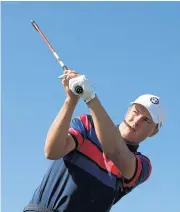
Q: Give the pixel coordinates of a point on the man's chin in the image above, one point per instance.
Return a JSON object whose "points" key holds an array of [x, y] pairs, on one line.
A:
{"points": [[127, 133], [126, 137]]}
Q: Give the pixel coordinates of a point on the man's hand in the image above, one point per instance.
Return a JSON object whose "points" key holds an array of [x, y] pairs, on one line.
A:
{"points": [[88, 90], [65, 82], [71, 79]]}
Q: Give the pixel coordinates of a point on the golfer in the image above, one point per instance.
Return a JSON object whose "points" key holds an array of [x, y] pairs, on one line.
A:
{"points": [[95, 162]]}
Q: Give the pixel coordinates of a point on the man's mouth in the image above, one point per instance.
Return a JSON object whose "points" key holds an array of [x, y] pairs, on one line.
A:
{"points": [[129, 126]]}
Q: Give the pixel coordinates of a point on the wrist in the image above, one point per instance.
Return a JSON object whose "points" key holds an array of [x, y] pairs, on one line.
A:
{"points": [[92, 101], [71, 100]]}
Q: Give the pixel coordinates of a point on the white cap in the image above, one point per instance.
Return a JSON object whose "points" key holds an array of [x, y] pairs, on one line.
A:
{"points": [[153, 105]]}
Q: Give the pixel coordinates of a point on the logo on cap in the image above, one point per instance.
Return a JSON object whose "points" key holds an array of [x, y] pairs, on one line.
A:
{"points": [[154, 100]]}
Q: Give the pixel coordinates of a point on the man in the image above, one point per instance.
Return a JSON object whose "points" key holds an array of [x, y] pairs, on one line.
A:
{"points": [[96, 162]]}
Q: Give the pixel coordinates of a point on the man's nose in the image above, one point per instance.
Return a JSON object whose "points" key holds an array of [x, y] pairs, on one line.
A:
{"points": [[136, 121]]}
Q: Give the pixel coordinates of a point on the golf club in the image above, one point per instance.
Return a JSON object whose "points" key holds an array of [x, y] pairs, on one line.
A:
{"points": [[78, 89]]}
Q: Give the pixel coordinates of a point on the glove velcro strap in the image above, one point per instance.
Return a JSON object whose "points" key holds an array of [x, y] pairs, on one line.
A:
{"points": [[88, 100]]}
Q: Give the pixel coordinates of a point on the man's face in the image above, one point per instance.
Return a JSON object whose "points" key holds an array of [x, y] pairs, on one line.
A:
{"points": [[138, 124]]}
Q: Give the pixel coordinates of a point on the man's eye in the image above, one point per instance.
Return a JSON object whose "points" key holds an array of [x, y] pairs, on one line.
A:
{"points": [[135, 111], [147, 120]]}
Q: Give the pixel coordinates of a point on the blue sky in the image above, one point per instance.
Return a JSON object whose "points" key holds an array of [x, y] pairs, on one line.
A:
{"points": [[126, 49]]}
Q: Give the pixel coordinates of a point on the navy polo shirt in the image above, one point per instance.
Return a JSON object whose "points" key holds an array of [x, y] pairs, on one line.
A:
{"points": [[85, 180]]}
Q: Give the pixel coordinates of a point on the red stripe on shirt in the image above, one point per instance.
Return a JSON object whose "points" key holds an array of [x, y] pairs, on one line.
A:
{"points": [[137, 175], [78, 135], [85, 121], [91, 151]]}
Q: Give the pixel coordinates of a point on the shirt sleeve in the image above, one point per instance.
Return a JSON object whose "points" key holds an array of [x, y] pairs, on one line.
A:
{"points": [[142, 172], [77, 130]]}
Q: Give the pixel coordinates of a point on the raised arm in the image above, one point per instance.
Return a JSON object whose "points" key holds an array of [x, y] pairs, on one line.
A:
{"points": [[113, 144], [58, 141]]}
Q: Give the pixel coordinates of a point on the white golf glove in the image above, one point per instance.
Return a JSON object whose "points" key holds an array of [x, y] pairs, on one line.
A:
{"points": [[81, 83]]}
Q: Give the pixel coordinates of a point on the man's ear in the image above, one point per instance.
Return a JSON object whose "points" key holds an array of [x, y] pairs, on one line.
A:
{"points": [[156, 130]]}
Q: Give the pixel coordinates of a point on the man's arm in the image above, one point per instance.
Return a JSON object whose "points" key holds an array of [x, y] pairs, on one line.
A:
{"points": [[58, 142], [112, 143]]}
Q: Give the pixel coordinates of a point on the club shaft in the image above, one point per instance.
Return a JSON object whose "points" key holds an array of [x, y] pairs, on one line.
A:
{"points": [[49, 45], [78, 89]]}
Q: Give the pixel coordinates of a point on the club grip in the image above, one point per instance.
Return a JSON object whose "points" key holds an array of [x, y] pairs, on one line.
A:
{"points": [[65, 68]]}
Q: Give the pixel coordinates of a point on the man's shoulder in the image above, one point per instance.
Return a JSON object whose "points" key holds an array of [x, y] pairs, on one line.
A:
{"points": [[86, 119], [145, 164], [142, 155]]}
